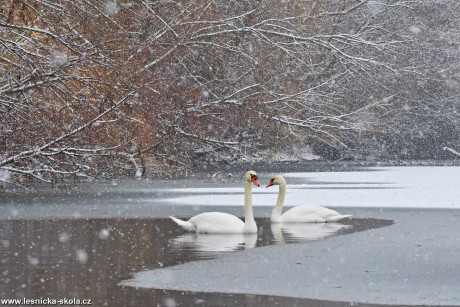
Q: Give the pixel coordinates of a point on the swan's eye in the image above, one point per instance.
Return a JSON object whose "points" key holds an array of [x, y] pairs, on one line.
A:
{"points": [[254, 177]]}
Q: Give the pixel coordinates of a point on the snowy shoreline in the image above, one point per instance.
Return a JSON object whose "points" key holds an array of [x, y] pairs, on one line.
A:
{"points": [[412, 262], [218, 172]]}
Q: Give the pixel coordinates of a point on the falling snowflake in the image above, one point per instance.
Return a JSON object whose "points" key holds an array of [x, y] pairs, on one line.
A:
{"points": [[63, 237], [32, 260], [103, 234], [415, 30], [111, 8], [82, 256]]}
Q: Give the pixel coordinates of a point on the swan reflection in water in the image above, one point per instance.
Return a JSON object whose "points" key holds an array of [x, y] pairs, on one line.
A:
{"points": [[208, 245], [297, 232], [214, 243]]}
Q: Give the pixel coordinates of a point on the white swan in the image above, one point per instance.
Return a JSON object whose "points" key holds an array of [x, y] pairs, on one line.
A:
{"points": [[300, 214], [218, 222]]}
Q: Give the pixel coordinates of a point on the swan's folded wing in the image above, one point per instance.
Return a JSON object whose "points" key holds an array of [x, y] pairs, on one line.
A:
{"points": [[312, 214], [302, 214], [217, 222]]}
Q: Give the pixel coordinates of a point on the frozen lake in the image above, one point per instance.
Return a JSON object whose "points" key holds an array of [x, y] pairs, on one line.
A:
{"points": [[83, 241], [378, 187]]}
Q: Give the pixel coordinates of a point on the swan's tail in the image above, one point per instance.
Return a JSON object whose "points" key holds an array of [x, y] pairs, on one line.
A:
{"points": [[185, 225], [337, 218]]}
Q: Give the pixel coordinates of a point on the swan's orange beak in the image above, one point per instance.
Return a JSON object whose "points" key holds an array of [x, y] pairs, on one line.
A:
{"points": [[255, 181], [269, 184]]}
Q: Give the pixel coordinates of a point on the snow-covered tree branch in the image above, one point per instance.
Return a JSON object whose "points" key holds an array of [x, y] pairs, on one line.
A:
{"points": [[199, 80]]}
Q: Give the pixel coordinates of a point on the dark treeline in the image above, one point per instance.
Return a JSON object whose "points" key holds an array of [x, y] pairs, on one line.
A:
{"points": [[134, 88]]}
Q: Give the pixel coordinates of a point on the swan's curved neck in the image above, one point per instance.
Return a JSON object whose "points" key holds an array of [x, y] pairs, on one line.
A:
{"points": [[249, 222], [276, 212]]}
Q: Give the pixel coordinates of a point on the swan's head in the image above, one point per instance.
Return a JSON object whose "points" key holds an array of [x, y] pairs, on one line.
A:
{"points": [[277, 180], [251, 176]]}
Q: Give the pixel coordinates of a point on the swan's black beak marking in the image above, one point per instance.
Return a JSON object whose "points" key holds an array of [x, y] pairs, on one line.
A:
{"points": [[255, 180], [270, 183]]}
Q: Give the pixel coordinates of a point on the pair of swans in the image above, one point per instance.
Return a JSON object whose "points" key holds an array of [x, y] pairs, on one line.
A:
{"points": [[218, 222]]}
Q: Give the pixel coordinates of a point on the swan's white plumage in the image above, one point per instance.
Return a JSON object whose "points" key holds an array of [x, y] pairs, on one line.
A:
{"points": [[311, 214], [212, 222], [219, 222], [300, 214], [186, 225]]}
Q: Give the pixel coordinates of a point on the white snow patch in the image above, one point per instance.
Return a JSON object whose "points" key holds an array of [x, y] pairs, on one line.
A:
{"points": [[293, 154], [375, 6], [5, 175], [57, 58], [405, 187]]}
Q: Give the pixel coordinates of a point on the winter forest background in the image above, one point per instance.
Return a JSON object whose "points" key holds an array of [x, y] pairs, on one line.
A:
{"points": [[135, 88]]}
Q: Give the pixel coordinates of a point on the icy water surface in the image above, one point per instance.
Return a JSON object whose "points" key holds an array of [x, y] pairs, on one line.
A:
{"points": [[88, 258], [83, 241]]}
